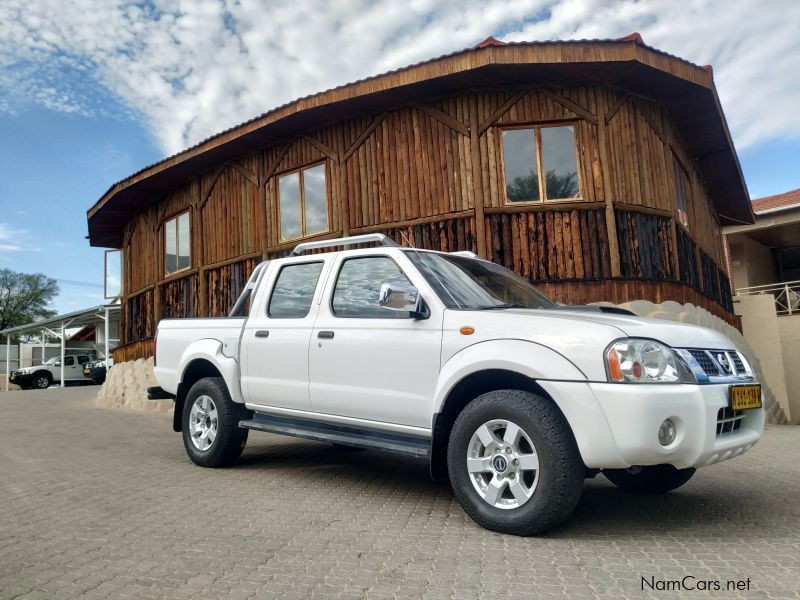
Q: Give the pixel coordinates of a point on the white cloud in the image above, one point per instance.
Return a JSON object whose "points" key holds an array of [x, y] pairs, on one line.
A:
{"points": [[13, 240], [191, 68]]}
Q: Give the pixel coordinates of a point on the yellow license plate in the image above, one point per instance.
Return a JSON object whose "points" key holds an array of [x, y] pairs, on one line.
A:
{"points": [[743, 397], [86, 371]]}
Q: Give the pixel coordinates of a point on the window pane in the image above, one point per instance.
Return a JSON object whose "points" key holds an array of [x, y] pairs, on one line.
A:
{"points": [[113, 275], [289, 193], [184, 241], [560, 166], [316, 205], [359, 284], [294, 291], [519, 161], [170, 259], [69, 361]]}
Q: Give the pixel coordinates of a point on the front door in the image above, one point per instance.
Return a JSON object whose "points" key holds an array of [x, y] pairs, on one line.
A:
{"points": [[369, 362], [276, 337]]}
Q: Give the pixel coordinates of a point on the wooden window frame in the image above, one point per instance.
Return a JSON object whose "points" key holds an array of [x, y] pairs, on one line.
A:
{"points": [[537, 128], [121, 274], [174, 217], [299, 171], [679, 169]]}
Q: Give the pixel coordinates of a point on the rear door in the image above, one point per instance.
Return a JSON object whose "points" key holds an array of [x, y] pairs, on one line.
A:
{"points": [[274, 370], [368, 362]]}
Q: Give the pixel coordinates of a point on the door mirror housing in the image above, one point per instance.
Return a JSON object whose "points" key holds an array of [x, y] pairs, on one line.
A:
{"points": [[402, 298]]}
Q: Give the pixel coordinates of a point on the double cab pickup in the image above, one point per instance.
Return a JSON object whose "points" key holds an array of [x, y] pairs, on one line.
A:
{"points": [[459, 361]]}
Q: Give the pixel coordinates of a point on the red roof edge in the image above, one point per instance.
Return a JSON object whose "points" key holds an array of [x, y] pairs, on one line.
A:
{"points": [[790, 199], [709, 69], [489, 41], [633, 37]]}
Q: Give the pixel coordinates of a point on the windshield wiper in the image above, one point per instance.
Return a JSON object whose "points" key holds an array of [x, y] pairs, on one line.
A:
{"points": [[499, 306]]}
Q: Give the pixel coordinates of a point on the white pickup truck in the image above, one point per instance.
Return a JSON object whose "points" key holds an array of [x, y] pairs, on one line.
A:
{"points": [[457, 360]]}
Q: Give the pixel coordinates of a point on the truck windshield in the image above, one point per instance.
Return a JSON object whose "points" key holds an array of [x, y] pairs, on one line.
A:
{"points": [[467, 283]]}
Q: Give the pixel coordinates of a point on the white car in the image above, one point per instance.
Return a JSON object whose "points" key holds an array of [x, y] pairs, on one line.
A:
{"points": [[457, 360], [42, 376]]}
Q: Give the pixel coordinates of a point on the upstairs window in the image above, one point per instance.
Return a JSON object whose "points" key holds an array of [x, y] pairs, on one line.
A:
{"points": [[177, 243], [681, 189], [303, 202], [529, 152]]}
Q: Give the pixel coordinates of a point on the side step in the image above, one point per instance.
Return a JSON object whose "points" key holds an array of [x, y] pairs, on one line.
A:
{"points": [[337, 434]]}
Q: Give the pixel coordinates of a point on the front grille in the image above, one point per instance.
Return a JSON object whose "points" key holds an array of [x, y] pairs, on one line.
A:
{"points": [[705, 361], [737, 362], [728, 420]]}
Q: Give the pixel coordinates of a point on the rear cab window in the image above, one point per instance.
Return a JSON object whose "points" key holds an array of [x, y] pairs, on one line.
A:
{"points": [[293, 292]]}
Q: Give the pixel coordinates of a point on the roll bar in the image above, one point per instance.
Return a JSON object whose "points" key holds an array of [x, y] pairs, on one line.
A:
{"points": [[345, 241]]}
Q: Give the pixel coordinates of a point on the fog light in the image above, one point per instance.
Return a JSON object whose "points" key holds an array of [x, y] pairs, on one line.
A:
{"points": [[666, 433]]}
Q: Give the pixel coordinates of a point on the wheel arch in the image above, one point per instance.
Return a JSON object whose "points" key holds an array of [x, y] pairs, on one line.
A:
{"points": [[197, 369], [465, 391]]}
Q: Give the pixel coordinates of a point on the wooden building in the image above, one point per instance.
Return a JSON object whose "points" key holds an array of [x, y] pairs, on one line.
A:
{"points": [[639, 173]]}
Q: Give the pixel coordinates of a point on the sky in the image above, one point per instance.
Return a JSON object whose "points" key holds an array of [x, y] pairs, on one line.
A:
{"points": [[93, 90]]}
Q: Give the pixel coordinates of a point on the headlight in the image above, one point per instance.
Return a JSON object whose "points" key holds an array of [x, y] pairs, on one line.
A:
{"points": [[644, 361]]}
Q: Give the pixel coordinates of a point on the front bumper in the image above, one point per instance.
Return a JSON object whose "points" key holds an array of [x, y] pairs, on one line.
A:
{"points": [[21, 379], [619, 423]]}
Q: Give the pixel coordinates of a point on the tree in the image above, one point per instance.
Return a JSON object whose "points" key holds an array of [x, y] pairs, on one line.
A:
{"points": [[526, 188], [24, 298]]}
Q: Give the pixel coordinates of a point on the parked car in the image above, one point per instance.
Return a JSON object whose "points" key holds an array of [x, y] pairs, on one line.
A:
{"points": [[43, 376], [96, 371], [457, 360]]}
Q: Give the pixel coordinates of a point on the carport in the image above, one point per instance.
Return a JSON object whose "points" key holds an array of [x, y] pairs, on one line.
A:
{"points": [[99, 316]]}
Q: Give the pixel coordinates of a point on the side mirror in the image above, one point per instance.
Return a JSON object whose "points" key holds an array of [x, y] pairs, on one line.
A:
{"points": [[400, 297]]}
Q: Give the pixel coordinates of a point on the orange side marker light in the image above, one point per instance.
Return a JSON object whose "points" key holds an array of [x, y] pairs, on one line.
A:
{"points": [[467, 330]]}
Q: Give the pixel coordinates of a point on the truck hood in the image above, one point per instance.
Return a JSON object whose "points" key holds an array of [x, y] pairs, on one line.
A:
{"points": [[672, 333], [579, 336]]}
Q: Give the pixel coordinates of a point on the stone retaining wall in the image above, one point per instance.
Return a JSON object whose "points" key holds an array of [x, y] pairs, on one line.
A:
{"points": [[126, 387]]}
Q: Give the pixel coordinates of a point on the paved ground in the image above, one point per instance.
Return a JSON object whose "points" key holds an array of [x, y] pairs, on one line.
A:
{"points": [[103, 503]]}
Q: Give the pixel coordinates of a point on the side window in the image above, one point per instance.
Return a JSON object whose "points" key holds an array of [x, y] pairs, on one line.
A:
{"points": [[681, 185], [82, 360], [359, 284], [177, 244], [294, 291], [69, 361]]}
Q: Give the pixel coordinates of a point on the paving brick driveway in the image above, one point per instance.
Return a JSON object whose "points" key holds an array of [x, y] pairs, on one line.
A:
{"points": [[104, 504]]}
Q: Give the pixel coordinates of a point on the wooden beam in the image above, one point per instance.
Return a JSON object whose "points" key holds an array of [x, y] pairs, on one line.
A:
{"points": [[513, 209], [569, 104], [620, 101], [611, 220], [442, 116], [501, 110], [363, 137], [245, 172], [477, 175], [270, 170], [207, 194], [463, 214], [325, 149], [654, 126]]}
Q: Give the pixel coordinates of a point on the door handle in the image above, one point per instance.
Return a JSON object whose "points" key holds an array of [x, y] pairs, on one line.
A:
{"points": [[262, 333], [325, 335]]}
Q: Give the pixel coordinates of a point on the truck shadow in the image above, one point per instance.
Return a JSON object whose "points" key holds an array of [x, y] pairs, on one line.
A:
{"points": [[604, 511]]}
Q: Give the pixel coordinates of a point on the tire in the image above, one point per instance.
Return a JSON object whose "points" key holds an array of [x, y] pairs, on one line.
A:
{"points": [[218, 439], [41, 381], [658, 479], [534, 495]]}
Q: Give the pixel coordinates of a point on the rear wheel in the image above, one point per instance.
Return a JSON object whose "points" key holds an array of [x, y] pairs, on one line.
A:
{"points": [[211, 433], [513, 463], [657, 479]]}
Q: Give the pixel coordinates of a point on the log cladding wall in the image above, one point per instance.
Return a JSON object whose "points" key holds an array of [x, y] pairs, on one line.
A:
{"points": [[225, 283], [431, 174], [551, 245], [645, 246], [178, 297]]}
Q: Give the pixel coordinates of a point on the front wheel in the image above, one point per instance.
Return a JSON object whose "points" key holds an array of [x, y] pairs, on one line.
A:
{"points": [[41, 381], [211, 433], [513, 463], [658, 479]]}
